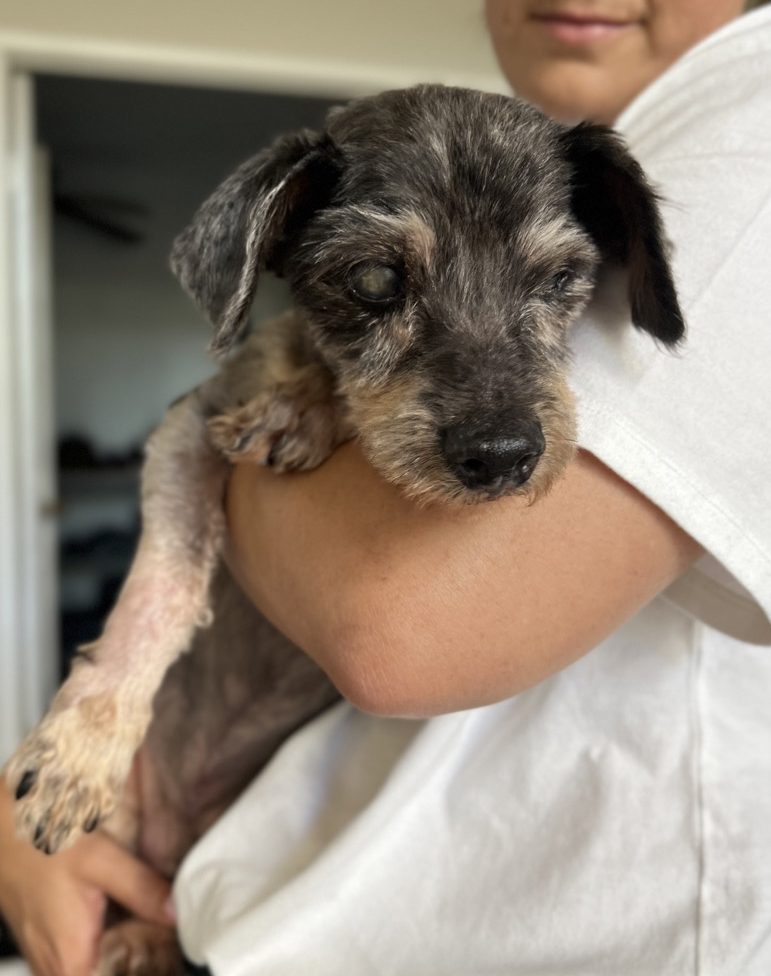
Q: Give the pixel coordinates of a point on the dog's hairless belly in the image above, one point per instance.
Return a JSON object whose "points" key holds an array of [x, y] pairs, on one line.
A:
{"points": [[221, 713]]}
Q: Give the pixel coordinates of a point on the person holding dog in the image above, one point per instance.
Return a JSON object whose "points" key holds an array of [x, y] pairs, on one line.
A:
{"points": [[606, 818]]}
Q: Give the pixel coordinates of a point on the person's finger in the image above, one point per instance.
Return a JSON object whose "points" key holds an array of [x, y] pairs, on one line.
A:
{"points": [[47, 954], [127, 880]]}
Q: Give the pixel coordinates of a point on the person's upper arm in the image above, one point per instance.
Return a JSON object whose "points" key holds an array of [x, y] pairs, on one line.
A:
{"points": [[418, 611]]}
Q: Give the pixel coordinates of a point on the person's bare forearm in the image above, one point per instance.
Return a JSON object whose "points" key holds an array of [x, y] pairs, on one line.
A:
{"points": [[418, 611]]}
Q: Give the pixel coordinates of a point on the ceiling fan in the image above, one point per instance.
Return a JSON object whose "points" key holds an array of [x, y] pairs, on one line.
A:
{"points": [[101, 213]]}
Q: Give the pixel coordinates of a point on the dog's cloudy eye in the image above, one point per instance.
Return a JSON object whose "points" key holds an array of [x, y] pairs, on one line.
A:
{"points": [[378, 283]]}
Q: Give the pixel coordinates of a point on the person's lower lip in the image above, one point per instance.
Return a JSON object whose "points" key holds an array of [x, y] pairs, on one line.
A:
{"points": [[571, 31]]}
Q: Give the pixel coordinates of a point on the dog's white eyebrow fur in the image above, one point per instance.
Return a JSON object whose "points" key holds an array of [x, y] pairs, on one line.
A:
{"points": [[544, 240], [406, 223]]}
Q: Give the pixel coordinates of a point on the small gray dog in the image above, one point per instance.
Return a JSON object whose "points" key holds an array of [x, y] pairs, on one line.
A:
{"points": [[438, 243]]}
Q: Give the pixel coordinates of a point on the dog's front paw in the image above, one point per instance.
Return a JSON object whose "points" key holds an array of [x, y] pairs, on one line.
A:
{"points": [[251, 430], [279, 431], [69, 773], [135, 948]]}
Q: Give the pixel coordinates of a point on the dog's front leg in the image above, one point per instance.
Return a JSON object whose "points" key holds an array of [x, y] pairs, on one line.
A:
{"points": [[69, 773], [294, 418], [292, 427]]}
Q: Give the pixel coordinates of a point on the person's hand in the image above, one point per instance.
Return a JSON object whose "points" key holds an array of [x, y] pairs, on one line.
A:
{"points": [[55, 905]]}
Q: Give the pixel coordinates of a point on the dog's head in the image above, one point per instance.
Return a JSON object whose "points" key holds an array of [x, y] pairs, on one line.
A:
{"points": [[440, 242]]}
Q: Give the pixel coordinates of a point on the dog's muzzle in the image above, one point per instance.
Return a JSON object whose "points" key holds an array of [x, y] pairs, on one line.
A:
{"points": [[492, 460]]}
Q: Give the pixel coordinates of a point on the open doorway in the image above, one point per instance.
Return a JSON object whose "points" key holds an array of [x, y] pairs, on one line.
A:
{"points": [[129, 163]]}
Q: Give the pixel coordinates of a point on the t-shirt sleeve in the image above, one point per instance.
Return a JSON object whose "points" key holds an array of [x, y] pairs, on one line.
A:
{"points": [[691, 430]]}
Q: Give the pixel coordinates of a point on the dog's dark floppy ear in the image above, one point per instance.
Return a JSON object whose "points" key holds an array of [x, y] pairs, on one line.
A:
{"points": [[239, 230], [615, 203]]}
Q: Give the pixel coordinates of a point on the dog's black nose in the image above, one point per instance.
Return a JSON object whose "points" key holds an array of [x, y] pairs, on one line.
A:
{"points": [[482, 460]]}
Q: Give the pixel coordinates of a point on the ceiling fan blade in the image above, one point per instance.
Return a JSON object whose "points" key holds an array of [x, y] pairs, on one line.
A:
{"points": [[75, 210]]}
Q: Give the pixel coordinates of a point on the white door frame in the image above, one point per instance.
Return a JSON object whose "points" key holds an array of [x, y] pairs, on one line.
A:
{"points": [[51, 54], [29, 437], [11, 572], [27, 466]]}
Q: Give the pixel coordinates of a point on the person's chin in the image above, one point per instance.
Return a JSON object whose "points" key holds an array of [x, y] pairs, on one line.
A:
{"points": [[572, 92]]}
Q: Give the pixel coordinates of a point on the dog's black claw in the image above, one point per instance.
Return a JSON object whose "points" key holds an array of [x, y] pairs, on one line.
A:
{"points": [[241, 443], [91, 824], [28, 780], [39, 831], [273, 456]]}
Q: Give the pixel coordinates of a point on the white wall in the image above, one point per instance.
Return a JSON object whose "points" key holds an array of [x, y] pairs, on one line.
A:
{"points": [[431, 39]]}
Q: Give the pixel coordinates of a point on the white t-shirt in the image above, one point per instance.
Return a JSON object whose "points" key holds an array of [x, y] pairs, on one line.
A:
{"points": [[615, 819]]}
